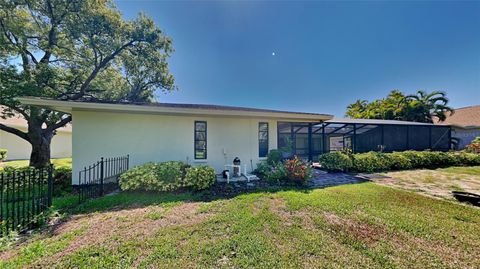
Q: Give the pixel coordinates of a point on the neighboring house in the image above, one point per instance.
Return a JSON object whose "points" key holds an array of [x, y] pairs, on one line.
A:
{"points": [[19, 149], [465, 123]]}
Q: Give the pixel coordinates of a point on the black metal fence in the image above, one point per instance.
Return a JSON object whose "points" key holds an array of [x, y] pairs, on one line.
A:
{"points": [[24, 195], [101, 177]]}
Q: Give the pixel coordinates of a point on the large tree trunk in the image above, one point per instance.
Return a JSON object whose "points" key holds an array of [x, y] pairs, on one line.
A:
{"points": [[40, 140], [40, 156]]}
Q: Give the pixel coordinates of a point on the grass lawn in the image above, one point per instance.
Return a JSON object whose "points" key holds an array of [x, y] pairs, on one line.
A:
{"points": [[438, 182], [63, 162], [359, 225]]}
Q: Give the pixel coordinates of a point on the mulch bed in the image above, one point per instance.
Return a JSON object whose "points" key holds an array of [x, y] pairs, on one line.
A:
{"points": [[228, 190]]}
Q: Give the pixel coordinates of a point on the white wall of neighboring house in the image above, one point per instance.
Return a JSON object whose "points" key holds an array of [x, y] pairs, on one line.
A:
{"points": [[154, 137], [465, 136], [19, 149]]}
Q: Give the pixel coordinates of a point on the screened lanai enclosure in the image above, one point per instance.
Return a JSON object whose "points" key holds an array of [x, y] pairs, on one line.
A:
{"points": [[309, 140]]}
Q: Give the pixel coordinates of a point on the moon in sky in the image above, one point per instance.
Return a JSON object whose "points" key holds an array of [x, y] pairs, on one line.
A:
{"points": [[273, 53]]}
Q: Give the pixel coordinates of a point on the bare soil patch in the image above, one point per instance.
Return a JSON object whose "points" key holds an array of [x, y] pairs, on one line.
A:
{"points": [[433, 183], [128, 224]]}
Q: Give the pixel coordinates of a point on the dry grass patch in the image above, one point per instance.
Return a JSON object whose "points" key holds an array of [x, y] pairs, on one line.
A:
{"points": [[437, 183], [111, 228], [279, 207]]}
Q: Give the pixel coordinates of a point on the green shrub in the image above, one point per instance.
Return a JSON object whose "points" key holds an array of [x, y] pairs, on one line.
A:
{"points": [[61, 177], [3, 154], [370, 162], [200, 177], [398, 161], [262, 169], [468, 159], [335, 162], [431, 159], [277, 173], [274, 156], [167, 176], [417, 159], [62, 181], [273, 173], [375, 161], [297, 170]]}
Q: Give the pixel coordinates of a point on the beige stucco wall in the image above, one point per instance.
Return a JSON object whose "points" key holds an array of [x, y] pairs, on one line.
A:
{"points": [[19, 149], [148, 137]]}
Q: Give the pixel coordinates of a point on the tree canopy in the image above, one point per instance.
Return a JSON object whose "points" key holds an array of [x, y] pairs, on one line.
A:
{"points": [[75, 50], [419, 107]]}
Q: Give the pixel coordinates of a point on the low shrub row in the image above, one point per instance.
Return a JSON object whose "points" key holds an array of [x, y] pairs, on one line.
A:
{"points": [[474, 146], [62, 181], [167, 176], [377, 161], [3, 154], [294, 170], [62, 178]]}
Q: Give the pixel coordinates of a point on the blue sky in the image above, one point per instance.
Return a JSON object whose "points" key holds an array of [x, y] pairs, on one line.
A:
{"points": [[327, 54]]}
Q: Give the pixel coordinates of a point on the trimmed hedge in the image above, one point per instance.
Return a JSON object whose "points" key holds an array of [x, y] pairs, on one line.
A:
{"points": [[167, 176], [200, 177], [370, 162], [375, 161], [336, 162], [3, 154]]}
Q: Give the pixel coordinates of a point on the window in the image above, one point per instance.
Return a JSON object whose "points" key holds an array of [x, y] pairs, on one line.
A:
{"points": [[200, 140], [262, 139]]}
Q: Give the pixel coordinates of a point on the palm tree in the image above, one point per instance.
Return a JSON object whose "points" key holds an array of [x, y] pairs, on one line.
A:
{"points": [[423, 106], [357, 109]]}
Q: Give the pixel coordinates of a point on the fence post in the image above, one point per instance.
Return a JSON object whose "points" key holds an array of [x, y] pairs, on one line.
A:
{"points": [[101, 176], [50, 185]]}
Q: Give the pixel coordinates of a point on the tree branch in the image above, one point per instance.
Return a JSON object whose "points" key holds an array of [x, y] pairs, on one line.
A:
{"points": [[14, 131], [51, 35], [14, 42], [17, 109], [95, 71], [59, 124]]}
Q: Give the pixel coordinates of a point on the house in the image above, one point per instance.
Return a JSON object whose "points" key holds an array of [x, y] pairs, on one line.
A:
{"points": [[465, 123], [215, 135], [19, 149], [197, 134]]}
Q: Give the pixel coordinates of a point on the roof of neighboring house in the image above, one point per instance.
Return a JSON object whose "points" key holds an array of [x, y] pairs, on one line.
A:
{"points": [[373, 121], [19, 122], [174, 109], [465, 117]]}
